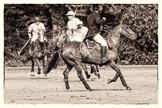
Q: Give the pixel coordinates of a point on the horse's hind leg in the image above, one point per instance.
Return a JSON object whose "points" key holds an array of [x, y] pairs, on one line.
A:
{"points": [[118, 74], [66, 73], [80, 75], [85, 70]]}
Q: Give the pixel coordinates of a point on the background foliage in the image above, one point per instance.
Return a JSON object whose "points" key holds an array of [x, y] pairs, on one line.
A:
{"points": [[141, 18]]}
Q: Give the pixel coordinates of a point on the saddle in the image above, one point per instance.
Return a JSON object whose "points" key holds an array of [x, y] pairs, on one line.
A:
{"points": [[92, 45]]}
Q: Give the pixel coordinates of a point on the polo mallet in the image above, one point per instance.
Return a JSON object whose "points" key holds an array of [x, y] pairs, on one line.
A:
{"points": [[19, 52]]}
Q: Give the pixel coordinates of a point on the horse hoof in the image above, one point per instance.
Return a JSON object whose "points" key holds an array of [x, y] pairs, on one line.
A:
{"points": [[88, 76], [98, 76], [90, 89], [128, 88], [69, 90], [38, 72], [32, 75], [109, 81], [45, 75]]}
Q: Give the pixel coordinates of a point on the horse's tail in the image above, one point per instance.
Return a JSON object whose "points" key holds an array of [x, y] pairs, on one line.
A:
{"points": [[52, 64]]}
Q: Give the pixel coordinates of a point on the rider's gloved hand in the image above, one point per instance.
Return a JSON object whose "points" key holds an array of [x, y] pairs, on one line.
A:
{"points": [[104, 18], [29, 36]]}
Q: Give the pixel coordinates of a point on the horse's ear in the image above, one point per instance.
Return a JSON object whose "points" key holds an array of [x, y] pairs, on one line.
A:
{"points": [[121, 21]]}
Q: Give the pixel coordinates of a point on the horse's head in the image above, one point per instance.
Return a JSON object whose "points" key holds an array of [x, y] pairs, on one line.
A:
{"points": [[62, 40], [126, 31]]}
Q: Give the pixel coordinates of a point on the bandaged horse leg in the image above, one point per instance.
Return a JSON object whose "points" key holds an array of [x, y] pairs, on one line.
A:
{"points": [[32, 69], [66, 73]]}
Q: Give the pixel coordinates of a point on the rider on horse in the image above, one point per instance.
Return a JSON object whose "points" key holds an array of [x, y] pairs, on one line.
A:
{"points": [[36, 32], [94, 22], [76, 30]]}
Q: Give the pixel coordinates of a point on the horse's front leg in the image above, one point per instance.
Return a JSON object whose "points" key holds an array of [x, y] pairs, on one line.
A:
{"points": [[115, 66], [45, 65], [38, 64], [32, 67]]}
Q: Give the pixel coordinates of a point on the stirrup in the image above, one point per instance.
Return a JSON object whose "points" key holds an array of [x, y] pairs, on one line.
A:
{"points": [[104, 60]]}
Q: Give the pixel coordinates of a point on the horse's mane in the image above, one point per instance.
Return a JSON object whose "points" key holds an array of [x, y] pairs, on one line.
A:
{"points": [[112, 31]]}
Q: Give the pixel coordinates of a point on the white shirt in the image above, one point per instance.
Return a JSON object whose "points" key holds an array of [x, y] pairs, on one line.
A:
{"points": [[72, 24], [35, 29], [78, 34]]}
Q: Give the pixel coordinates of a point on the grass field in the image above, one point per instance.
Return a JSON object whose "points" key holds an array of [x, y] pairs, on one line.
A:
{"points": [[20, 88]]}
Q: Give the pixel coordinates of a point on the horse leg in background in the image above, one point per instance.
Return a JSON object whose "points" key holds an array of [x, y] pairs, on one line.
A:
{"points": [[66, 73], [115, 66], [85, 70], [45, 65], [38, 64], [32, 67], [43, 47], [95, 70], [78, 66]]}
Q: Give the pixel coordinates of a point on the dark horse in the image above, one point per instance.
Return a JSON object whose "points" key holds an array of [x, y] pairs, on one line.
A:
{"points": [[38, 55], [56, 45], [76, 53]]}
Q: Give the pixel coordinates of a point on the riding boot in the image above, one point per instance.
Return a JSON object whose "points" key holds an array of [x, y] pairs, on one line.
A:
{"points": [[45, 47], [103, 54]]}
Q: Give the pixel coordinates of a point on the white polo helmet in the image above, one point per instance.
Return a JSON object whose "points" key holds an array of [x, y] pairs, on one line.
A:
{"points": [[37, 19], [70, 13]]}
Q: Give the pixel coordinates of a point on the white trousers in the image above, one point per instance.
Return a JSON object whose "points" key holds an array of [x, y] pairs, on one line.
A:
{"points": [[99, 39], [35, 37]]}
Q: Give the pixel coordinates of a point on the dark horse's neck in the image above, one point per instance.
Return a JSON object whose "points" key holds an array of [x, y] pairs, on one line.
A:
{"points": [[114, 36]]}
